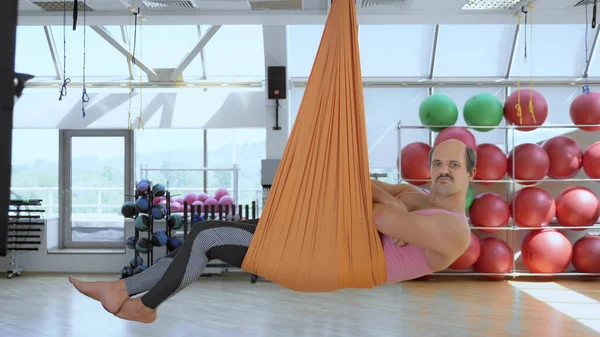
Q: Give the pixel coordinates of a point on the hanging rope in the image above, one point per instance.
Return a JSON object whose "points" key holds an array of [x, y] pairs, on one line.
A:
{"points": [[140, 122], [531, 66], [84, 96], [136, 14], [518, 106], [586, 87], [63, 89]]}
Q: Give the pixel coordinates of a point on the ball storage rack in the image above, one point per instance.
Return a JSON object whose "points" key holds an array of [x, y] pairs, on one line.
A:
{"points": [[149, 256], [511, 187]]}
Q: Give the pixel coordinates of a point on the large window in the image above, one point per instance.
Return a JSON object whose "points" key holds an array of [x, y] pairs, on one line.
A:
{"points": [[34, 173], [96, 182], [176, 158]]}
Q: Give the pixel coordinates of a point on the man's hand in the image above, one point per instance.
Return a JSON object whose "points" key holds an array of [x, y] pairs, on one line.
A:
{"points": [[399, 243]]}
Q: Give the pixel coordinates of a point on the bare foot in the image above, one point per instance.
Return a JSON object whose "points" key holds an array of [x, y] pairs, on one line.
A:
{"points": [[134, 310], [112, 295]]}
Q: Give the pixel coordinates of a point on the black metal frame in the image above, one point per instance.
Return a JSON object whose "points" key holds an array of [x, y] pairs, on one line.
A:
{"points": [[8, 35]]}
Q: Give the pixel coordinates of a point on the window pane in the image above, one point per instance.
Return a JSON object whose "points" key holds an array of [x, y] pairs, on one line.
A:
{"points": [[473, 50], [460, 97], [559, 100], [235, 51], [383, 50], [97, 188], [32, 52], [173, 150], [243, 147], [34, 173], [303, 43], [102, 60], [557, 50], [165, 46]]}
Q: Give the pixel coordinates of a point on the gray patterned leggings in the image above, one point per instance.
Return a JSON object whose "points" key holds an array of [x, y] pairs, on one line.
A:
{"points": [[223, 240]]}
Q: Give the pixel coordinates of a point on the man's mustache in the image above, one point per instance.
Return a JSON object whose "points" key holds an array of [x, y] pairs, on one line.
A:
{"points": [[444, 176]]}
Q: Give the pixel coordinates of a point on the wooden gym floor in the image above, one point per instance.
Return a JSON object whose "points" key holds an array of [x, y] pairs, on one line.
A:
{"points": [[47, 306]]}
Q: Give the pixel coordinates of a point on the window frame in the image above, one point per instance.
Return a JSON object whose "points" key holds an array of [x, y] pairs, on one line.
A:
{"points": [[65, 183]]}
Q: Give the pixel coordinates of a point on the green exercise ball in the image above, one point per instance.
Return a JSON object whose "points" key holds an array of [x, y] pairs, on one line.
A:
{"points": [[438, 110], [469, 199], [483, 110]]}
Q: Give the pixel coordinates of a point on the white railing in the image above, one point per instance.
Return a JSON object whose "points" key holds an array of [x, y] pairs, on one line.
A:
{"points": [[50, 203]]}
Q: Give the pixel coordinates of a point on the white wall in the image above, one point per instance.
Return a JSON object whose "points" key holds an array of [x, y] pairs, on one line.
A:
{"points": [[44, 260]]}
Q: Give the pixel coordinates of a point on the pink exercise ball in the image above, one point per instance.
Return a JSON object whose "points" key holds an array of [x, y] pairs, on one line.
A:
{"points": [[221, 192], [190, 198], [531, 163], [585, 110], [457, 133], [492, 163], [577, 206], [566, 157], [201, 197], [591, 161], [526, 122]]}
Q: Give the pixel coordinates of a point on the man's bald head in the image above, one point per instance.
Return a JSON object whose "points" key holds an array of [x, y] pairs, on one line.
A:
{"points": [[453, 146], [452, 166]]}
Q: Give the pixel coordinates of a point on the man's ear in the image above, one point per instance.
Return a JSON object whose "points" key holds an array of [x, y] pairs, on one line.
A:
{"points": [[472, 174]]}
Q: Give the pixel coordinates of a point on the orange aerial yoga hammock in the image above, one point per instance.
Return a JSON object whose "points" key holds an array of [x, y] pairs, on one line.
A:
{"points": [[316, 232]]}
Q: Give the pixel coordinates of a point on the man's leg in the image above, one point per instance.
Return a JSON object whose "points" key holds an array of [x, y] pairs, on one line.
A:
{"points": [[227, 241]]}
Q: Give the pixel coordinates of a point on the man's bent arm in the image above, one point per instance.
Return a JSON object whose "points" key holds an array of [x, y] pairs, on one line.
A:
{"points": [[442, 234], [393, 189]]}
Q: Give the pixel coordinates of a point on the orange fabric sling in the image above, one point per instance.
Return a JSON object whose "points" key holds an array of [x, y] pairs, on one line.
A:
{"points": [[316, 232]]}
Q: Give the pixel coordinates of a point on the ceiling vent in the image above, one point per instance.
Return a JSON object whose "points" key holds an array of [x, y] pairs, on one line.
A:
{"points": [[492, 4], [59, 6], [170, 4], [385, 3]]}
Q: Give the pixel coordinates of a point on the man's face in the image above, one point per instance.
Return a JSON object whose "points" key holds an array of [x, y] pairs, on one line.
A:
{"points": [[449, 168]]}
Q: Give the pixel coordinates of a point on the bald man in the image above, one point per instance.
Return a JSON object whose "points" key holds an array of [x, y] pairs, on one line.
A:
{"points": [[434, 220], [431, 228]]}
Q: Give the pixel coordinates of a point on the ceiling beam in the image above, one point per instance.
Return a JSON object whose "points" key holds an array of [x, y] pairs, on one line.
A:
{"points": [[436, 35], [185, 62], [590, 56], [316, 17], [53, 52], [123, 50]]}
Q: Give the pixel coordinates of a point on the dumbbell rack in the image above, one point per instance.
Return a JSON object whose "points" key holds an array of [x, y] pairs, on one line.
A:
{"points": [[511, 187], [20, 223], [150, 231]]}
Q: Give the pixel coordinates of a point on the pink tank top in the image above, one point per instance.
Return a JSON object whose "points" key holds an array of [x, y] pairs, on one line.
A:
{"points": [[408, 262]]}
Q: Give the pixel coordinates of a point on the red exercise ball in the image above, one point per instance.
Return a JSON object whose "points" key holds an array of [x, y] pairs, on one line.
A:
{"points": [[533, 207], [566, 157], [458, 133], [546, 251], [470, 256], [531, 163], [585, 109], [496, 256], [577, 206], [489, 210], [540, 109], [491, 163], [586, 254], [414, 163], [591, 161]]}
